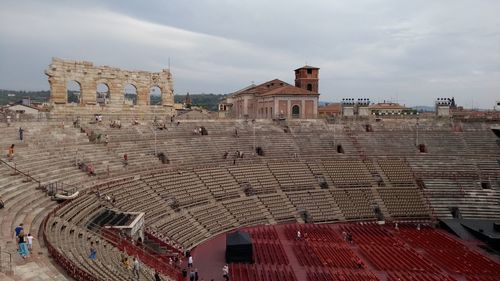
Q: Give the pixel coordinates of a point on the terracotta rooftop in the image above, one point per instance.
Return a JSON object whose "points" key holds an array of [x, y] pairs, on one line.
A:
{"points": [[307, 67]]}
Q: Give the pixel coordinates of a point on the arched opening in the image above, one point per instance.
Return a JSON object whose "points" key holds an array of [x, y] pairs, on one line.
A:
{"points": [[155, 96], [74, 92], [130, 95], [309, 87], [340, 149], [422, 148], [295, 111], [102, 94]]}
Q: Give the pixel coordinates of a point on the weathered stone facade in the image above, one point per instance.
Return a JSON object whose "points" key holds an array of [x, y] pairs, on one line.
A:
{"points": [[276, 98], [88, 77]]}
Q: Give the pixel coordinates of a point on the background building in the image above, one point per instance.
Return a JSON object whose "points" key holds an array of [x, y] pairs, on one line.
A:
{"points": [[276, 98]]}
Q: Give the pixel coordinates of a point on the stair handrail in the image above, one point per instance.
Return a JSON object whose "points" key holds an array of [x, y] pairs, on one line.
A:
{"points": [[16, 170]]}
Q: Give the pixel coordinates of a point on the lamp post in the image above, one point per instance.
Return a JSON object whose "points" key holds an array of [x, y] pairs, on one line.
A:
{"points": [[253, 123], [416, 134], [154, 132]]}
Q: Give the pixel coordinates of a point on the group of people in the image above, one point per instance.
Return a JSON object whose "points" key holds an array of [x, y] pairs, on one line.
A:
{"points": [[89, 168], [24, 242], [116, 124], [347, 236]]}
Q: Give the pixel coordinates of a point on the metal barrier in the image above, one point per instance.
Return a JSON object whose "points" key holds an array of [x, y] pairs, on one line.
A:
{"points": [[17, 171], [5, 268]]}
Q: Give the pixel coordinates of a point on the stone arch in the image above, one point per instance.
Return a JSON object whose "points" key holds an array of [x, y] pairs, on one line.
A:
{"points": [[155, 95], [73, 91], [295, 111], [103, 94], [130, 94]]}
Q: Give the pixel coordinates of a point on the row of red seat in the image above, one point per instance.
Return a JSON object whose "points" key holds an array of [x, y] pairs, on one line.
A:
{"points": [[313, 232], [464, 261], [306, 255], [269, 253], [252, 272], [335, 256], [397, 259], [411, 276], [371, 234], [343, 275], [263, 233], [428, 238], [482, 278]]}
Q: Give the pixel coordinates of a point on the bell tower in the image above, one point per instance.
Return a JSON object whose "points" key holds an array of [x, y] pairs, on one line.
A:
{"points": [[307, 78]]}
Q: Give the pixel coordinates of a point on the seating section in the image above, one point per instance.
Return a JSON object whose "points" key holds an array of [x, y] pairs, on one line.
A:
{"points": [[317, 204], [472, 201], [355, 203], [348, 173], [258, 176], [404, 202], [247, 211], [293, 176], [279, 206], [188, 201], [213, 217], [220, 182], [398, 172], [183, 187]]}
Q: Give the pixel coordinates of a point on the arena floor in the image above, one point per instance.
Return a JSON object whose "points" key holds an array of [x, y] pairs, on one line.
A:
{"points": [[386, 253]]}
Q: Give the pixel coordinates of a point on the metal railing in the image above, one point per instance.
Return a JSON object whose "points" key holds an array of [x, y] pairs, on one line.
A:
{"points": [[8, 267], [17, 171]]}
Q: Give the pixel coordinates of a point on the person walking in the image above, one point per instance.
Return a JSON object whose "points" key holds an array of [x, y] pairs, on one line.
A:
{"points": [[93, 252], [30, 242], [18, 229], [23, 248]]}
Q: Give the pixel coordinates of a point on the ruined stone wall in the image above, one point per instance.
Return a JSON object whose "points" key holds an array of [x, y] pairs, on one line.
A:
{"points": [[88, 76]]}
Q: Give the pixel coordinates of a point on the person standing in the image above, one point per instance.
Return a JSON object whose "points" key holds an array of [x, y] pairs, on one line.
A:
{"points": [[225, 272], [157, 276], [10, 153], [21, 133], [190, 261], [135, 268]]}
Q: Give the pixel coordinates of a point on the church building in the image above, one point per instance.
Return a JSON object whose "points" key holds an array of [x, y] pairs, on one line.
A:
{"points": [[276, 98]]}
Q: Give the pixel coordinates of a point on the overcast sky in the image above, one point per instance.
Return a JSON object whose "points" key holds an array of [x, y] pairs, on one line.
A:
{"points": [[406, 51]]}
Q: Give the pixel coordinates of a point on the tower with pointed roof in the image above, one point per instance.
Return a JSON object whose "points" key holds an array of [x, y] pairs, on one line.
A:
{"points": [[307, 78]]}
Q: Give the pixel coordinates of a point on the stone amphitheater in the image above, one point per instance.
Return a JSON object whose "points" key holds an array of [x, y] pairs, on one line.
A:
{"points": [[308, 171]]}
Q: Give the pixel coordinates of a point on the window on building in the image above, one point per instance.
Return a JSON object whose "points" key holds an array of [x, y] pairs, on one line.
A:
{"points": [[309, 71], [295, 111], [309, 87]]}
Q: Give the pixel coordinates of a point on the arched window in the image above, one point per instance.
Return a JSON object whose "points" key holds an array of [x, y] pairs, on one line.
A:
{"points": [[309, 87], [102, 94], [73, 93], [295, 111], [155, 96], [130, 94]]}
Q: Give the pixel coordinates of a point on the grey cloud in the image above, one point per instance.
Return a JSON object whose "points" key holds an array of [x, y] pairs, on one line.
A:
{"points": [[412, 51]]}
